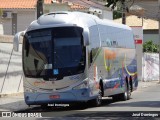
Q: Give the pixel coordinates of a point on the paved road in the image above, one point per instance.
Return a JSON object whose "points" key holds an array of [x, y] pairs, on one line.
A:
{"points": [[146, 100]]}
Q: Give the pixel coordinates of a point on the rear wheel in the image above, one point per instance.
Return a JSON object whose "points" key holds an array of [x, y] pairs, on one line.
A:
{"points": [[123, 96], [115, 97], [131, 84], [127, 94]]}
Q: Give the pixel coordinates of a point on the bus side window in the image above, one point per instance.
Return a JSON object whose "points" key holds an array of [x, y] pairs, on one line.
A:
{"points": [[92, 55]]}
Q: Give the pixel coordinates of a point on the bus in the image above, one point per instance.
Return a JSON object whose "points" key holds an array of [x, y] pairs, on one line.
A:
{"points": [[76, 57]]}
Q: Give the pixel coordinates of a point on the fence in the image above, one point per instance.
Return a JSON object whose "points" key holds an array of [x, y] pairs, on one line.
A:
{"points": [[150, 66]]}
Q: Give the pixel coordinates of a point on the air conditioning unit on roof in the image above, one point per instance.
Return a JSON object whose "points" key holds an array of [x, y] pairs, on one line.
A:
{"points": [[7, 14]]}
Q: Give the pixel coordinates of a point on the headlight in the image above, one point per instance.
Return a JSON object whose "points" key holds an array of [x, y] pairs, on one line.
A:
{"points": [[30, 90], [82, 85]]}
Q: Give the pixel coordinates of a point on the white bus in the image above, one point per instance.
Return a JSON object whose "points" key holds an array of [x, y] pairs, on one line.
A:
{"points": [[76, 57]]}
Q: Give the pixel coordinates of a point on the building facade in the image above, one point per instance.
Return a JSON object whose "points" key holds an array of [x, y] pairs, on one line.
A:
{"points": [[18, 14], [150, 27]]}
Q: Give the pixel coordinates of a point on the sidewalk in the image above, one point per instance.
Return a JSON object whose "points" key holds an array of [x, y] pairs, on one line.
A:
{"points": [[12, 103], [146, 84], [16, 102]]}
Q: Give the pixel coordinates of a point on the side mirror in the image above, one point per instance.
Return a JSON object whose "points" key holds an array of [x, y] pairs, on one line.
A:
{"points": [[86, 36], [16, 40]]}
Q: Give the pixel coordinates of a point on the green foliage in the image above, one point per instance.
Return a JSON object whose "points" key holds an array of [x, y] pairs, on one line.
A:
{"points": [[117, 15], [112, 3], [149, 46]]}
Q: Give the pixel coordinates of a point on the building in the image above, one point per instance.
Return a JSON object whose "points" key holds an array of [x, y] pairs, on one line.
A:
{"points": [[18, 14], [150, 27], [87, 6]]}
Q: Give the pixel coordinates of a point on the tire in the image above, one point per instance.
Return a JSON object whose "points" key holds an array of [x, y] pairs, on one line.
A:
{"points": [[115, 97], [131, 84], [124, 96], [101, 88], [127, 94], [98, 101]]}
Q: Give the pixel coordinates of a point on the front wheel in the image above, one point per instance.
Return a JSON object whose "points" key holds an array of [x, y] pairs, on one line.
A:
{"points": [[98, 101]]}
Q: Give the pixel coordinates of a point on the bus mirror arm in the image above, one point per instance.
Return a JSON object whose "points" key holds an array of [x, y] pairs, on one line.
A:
{"points": [[16, 40], [86, 36]]}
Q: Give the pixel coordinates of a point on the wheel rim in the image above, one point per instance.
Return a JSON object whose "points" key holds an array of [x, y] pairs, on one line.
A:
{"points": [[99, 99], [126, 95]]}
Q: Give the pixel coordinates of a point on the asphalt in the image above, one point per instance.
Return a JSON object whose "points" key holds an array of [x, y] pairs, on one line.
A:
{"points": [[15, 102]]}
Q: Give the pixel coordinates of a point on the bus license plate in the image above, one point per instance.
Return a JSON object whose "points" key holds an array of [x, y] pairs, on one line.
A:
{"points": [[54, 96]]}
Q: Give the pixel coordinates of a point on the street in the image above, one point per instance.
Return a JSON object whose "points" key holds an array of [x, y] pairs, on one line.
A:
{"points": [[145, 100]]}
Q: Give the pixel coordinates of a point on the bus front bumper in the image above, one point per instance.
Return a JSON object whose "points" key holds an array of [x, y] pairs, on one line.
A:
{"points": [[77, 95]]}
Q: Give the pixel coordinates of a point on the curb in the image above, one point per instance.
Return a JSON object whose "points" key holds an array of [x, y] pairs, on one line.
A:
{"points": [[4, 110]]}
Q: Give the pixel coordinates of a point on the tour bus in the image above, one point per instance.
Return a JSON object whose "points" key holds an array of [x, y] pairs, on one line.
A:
{"points": [[76, 57]]}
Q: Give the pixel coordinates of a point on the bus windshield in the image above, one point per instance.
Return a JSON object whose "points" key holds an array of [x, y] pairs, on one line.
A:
{"points": [[53, 53]]}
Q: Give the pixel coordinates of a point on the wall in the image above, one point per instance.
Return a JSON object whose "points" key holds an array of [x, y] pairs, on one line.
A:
{"points": [[10, 73], [153, 37], [107, 15], [1, 29], [6, 26], [24, 18], [56, 7], [151, 66]]}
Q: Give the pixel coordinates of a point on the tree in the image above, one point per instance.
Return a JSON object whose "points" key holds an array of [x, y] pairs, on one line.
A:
{"points": [[149, 46], [122, 7], [113, 3], [117, 14]]}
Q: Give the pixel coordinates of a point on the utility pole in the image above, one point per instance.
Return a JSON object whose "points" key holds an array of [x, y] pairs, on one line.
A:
{"points": [[123, 12], [159, 35], [39, 8]]}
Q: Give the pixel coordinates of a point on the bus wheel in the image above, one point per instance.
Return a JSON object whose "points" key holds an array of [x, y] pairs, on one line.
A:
{"points": [[98, 101], [131, 84], [126, 95], [115, 97]]}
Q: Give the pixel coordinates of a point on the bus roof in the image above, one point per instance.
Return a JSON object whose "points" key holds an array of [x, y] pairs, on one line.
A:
{"points": [[57, 19]]}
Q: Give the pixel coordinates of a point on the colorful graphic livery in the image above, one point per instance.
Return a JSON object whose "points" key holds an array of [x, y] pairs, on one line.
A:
{"points": [[77, 57]]}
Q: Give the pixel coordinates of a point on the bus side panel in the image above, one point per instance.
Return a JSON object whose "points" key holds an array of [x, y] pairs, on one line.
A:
{"points": [[114, 69], [116, 59]]}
